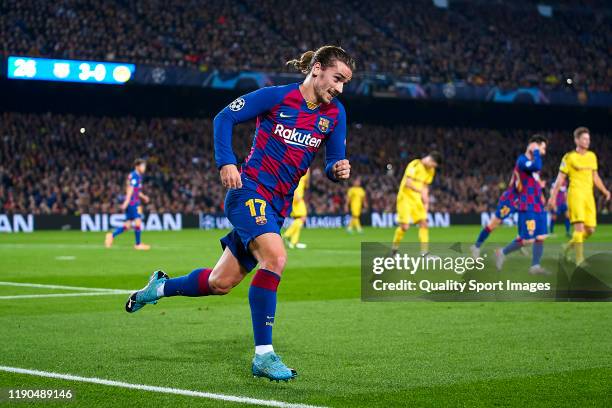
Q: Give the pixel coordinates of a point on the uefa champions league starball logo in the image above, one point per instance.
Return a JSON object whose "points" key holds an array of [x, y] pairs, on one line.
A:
{"points": [[237, 104]]}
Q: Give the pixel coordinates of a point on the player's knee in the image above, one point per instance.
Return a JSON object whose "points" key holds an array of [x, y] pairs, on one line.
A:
{"points": [[589, 230], [404, 227], [275, 263], [221, 285]]}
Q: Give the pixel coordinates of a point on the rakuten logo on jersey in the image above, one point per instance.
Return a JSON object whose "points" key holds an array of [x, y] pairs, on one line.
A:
{"points": [[293, 137]]}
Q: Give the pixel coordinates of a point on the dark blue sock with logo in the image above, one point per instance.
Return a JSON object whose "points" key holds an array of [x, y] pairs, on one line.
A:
{"points": [[118, 231], [513, 246], [137, 235], [482, 237], [538, 250], [262, 299]]}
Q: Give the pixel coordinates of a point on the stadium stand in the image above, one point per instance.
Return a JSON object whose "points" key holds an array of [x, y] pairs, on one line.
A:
{"points": [[47, 166], [507, 44]]}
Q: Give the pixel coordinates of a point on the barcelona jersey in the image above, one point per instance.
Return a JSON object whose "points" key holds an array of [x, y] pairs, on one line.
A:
{"points": [[420, 176], [135, 180], [288, 134], [528, 185]]}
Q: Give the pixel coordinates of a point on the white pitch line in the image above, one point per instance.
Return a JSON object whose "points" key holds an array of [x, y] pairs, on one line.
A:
{"points": [[54, 295], [153, 388], [40, 285]]}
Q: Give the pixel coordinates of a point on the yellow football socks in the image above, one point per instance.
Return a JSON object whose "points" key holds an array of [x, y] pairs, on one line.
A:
{"points": [[297, 228], [577, 242], [424, 239]]}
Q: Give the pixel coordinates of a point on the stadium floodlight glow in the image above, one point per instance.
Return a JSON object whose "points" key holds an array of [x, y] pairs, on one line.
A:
{"points": [[45, 69]]}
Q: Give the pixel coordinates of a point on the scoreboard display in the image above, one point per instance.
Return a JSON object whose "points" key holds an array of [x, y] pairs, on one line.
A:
{"points": [[45, 69]]}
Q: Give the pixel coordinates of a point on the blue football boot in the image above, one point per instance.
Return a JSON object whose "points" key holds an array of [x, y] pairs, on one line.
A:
{"points": [[146, 295], [270, 366]]}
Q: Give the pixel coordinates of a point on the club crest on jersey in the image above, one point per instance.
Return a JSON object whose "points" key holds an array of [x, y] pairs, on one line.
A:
{"points": [[261, 220], [323, 124]]}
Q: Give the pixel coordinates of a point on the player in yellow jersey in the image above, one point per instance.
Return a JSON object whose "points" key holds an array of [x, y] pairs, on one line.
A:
{"points": [[298, 213], [413, 198], [580, 166], [356, 201]]}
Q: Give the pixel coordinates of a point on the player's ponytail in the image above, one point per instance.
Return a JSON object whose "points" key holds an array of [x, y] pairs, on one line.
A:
{"points": [[303, 63], [326, 55]]}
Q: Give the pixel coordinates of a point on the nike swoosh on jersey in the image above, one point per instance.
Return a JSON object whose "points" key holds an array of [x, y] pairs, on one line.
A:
{"points": [[282, 115]]}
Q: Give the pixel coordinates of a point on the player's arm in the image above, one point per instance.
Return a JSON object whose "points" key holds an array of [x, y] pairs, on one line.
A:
{"points": [[336, 166], [365, 201], [128, 196], [298, 196], [532, 165], [560, 181], [425, 196], [240, 110], [600, 185], [410, 184], [143, 197], [552, 200]]}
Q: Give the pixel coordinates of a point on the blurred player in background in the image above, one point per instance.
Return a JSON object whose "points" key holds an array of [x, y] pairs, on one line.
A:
{"points": [[532, 223], [561, 209], [299, 211], [580, 166], [506, 206], [294, 122], [413, 199], [131, 206], [356, 200]]}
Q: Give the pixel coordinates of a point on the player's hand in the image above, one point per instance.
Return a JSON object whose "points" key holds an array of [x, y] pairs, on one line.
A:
{"points": [[341, 170], [145, 198], [230, 176], [552, 205], [124, 206], [533, 146], [607, 195]]}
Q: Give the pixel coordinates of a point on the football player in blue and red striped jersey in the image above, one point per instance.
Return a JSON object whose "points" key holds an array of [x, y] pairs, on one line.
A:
{"points": [[293, 123], [131, 206], [532, 222]]}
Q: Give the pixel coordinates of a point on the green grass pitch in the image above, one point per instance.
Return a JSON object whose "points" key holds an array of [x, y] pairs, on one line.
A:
{"points": [[348, 353]]}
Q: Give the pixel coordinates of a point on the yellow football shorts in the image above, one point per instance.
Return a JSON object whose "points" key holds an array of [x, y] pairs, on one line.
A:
{"points": [[582, 209], [410, 210]]}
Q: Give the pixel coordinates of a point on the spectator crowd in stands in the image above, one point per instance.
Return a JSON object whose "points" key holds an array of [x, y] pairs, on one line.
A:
{"points": [[66, 164], [507, 44]]}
